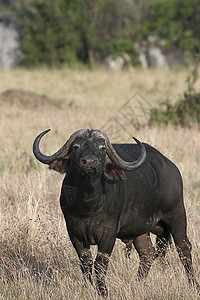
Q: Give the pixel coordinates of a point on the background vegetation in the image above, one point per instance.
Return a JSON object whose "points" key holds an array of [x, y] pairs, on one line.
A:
{"points": [[37, 260], [66, 31]]}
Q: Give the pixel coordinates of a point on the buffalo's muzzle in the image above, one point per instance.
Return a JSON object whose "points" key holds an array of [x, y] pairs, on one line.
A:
{"points": [[89, 163]]}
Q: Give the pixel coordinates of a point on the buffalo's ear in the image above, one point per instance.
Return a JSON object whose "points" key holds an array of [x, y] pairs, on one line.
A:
{"points": [[59, 165], [113, 173]]}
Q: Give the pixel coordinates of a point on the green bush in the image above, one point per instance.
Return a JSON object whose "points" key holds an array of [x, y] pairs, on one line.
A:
{"points": [[184, 113]]}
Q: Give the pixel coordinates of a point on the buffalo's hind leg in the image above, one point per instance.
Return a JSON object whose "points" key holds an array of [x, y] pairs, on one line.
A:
{"points": [[184, 247], [146, 252], [178, 227], [163, 240]]}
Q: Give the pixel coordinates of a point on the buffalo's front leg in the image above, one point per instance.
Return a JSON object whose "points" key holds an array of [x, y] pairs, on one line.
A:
{"points": [[86, 264], [85, 257], [101, 264]]}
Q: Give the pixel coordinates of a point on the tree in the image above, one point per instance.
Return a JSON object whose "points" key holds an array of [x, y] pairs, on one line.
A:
{"points": [[48, 32], [177, 21]]}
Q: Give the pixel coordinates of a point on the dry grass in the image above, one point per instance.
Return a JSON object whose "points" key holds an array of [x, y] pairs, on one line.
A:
{"points": [[37, 260]]}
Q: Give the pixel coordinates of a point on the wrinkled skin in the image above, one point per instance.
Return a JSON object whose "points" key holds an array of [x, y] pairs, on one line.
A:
{"points": [[101, 202]]}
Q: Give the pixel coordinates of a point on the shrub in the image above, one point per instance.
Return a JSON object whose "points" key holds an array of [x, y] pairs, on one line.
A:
{"points": [[185, 111]]}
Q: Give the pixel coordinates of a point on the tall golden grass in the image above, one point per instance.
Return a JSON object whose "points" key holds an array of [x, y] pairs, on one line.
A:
{"points": [[37, 260]]}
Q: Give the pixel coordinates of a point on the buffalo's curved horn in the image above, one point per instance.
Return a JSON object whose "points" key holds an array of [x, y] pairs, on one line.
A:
{"points": [[125, 165], [117, 160], [61, 153]]}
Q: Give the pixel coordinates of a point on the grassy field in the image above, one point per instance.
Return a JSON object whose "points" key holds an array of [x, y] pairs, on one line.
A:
{"points": [[37, 260]]}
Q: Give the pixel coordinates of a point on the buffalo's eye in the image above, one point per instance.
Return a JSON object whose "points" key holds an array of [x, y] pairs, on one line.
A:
{"points": [[76, 146], [102, 147]]}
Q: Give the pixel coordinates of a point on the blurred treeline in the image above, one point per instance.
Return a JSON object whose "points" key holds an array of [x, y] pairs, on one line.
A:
{"points": [[86, 31]]}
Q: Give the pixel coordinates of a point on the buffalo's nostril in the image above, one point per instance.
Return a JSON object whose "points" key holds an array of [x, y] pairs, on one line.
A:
{"points": [[83, 161], [90, 162]]}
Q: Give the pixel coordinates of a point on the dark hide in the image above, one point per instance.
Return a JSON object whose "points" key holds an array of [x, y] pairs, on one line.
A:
{"points": [[101, 203]]}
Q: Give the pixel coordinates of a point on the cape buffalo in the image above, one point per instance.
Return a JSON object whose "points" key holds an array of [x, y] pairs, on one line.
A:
{"points": [[124, 191]]}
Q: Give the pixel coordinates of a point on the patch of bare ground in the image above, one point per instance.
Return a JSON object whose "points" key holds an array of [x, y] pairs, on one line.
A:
{"points": [[27, 99]]}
